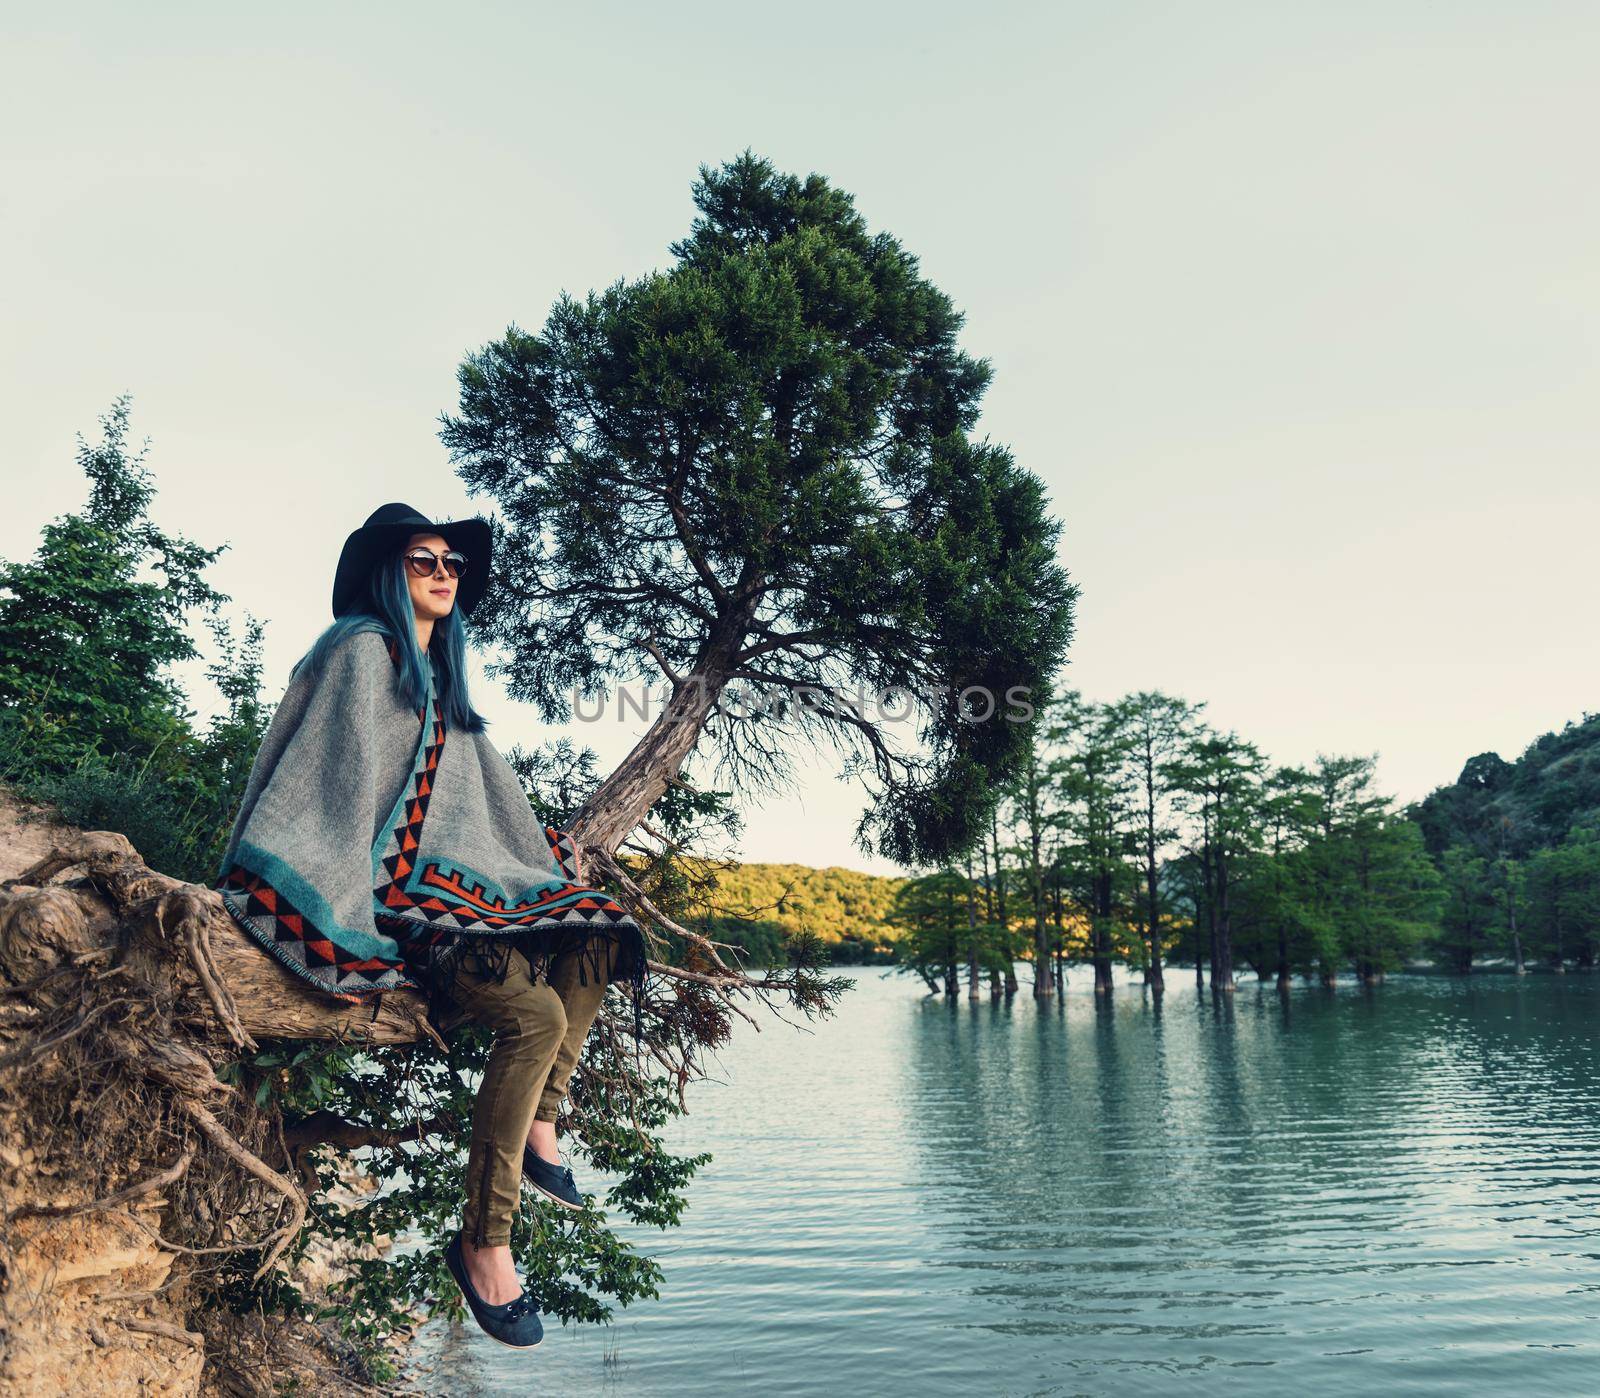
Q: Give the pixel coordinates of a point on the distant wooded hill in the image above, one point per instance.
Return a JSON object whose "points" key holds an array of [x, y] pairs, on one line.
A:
{"points": [[1531, 804], [756, 905]]}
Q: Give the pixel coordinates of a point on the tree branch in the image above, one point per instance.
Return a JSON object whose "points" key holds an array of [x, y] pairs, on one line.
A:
{"points": [[325, 1128]]}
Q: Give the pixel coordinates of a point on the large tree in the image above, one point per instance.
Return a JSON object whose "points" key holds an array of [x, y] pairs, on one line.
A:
{"points": [[1093, 779], [1289, 812], [755, 466], [1563, 892], [933, 913], [1468, 910], [1218, 777], [90, 626], [1345, 806], [1157, 725]]}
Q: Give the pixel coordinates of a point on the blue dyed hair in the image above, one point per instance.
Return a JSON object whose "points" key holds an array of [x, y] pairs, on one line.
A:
{"points": [[385, 607]]}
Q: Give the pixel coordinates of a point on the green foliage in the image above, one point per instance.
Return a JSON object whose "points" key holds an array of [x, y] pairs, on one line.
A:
{"points": [[761, 907], [88, 628], [942, 926], [1391, 894], [1527, 805], [1307, 871], [1095, 781], [1562, 900], [1468, 911], [755, 467], [90, 721], [1515, 843], [573, 1262]]}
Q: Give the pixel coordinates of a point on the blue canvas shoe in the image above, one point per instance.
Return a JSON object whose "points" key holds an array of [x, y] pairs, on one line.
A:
{"points": [[516, 1323], [552, 1181]]}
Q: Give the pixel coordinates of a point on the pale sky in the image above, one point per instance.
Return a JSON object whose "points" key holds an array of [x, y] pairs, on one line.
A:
{"points": [[1293, 307]]}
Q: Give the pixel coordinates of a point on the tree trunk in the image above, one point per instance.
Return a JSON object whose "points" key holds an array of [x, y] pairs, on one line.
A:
{"points": [[625, 797], [1000, 905], [1100, 929], [1042, 980], [1222, 945], [1059, 954], [973, 992], [115, 990], [1153, 974], [158, 922]]}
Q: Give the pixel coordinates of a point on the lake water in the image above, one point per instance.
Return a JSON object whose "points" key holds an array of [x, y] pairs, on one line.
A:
{"points": [[1336, 1192]]}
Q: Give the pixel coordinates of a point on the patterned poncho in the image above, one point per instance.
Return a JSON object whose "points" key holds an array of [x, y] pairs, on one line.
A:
{"points": [[373, 848]]}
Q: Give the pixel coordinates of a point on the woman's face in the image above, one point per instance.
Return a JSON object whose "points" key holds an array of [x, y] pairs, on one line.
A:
{"points": [[431, 597]]}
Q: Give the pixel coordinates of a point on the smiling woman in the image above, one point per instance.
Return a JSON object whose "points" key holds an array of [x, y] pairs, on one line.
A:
{"points": [[383, 843]]}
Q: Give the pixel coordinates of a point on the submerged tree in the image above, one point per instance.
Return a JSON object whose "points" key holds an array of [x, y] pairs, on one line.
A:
{"points": [[1029, 794], [755, 467], [934, 913], [1278, 898], [1219, 778], [1563, 896], [1469, 908], [1093, 779], [1156, 725], [1511, 879]]}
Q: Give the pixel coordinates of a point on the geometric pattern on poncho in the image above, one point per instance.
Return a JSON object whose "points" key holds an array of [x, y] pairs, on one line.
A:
{"points": [[426, 911], [275, 920], [432, 902]]}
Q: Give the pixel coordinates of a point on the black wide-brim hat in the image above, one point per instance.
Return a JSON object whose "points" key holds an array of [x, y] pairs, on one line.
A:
{"points": [[385, 533]]}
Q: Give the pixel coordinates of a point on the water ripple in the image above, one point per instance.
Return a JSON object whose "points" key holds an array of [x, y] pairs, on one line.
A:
{"points": [[1334, 1194]]}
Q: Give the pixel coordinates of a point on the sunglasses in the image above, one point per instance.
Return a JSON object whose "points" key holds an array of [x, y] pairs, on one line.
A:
{"points": [[422, 563]]}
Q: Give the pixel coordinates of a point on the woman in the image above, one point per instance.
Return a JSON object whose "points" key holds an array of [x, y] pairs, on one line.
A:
{"points": [[384, 843]]}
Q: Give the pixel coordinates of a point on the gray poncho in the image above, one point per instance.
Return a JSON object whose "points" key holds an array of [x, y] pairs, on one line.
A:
{"points": [[372, 848]]}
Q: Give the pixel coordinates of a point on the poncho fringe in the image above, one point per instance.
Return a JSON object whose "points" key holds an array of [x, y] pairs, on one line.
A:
{"points": [[459, 868]]}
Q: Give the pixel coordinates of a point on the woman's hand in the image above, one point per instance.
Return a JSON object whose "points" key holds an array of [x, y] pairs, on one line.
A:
{"points": [[577, 863]]}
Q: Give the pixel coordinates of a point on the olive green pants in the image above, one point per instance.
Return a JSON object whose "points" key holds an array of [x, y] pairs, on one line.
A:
{"points": [[539, 1029]]}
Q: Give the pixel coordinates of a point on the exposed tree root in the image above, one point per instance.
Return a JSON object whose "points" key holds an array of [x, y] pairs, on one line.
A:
{"points": [[160, 1180], [122, 994]]}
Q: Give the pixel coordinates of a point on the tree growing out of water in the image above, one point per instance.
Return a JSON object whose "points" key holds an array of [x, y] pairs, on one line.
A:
{"points": [[1511, 881], [1092, 778], [939, 931], [995, 888], [1218, 779], [1392, 895], [1467, 915], [1346, 808], [1030, 797], [1563, 900], [1157, 726]]}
